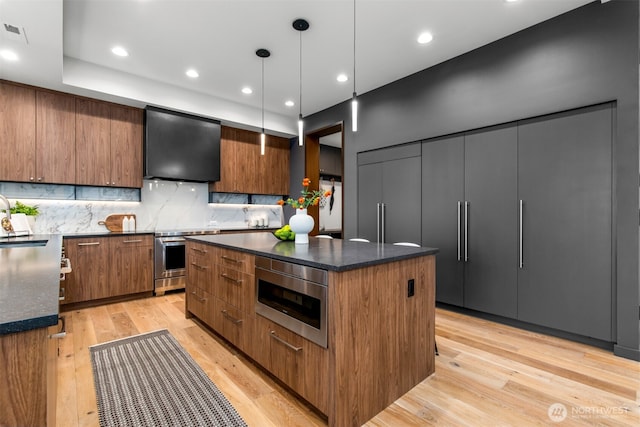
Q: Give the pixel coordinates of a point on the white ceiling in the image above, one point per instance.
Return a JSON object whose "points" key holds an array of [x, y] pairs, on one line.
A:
{"points": [[69, 44]]}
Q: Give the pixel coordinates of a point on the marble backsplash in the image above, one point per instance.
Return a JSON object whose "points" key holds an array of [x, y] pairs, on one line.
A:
{"points": [[164, 205]]}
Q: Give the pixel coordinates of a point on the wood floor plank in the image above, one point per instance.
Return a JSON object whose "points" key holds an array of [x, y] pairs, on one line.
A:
{"points": [[487, 374]]}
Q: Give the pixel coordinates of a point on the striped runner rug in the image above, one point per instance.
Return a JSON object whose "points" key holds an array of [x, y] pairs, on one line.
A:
{"points": [[150, 380]]}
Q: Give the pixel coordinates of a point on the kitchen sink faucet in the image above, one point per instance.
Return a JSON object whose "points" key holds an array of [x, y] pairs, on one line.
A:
{"points": [[6, 221]]}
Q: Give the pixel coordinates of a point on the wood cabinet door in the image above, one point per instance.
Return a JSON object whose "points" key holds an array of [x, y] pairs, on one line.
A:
{"points": [[17, 133], [131, 265], [126, 147], [55, 138], [93, 161], [228, 161], [273, 167], [90, 277]]}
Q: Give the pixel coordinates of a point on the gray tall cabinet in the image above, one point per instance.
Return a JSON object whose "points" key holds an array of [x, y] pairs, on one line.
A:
{"points": [[469, 212], [565, 185], [522, 216], [389, 194]]}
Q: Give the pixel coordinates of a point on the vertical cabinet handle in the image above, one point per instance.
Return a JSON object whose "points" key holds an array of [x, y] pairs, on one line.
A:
{"points": [[521, 257], [466, 231], [459, 227], [382, 222], [378, 222]]}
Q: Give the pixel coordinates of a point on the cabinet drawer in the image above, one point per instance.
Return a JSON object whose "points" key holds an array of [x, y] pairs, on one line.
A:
{"points": [[235, 288], [299, 363], [235, 260], [132, 241], [200, 270], [200, 303], [231, 323], [199, 250]]}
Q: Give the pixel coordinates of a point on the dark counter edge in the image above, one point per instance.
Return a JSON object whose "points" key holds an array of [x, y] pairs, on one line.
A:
{"points": [[29, 324], [412, 253]]}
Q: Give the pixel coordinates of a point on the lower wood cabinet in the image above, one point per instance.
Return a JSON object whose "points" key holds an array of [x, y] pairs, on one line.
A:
{"points": [[220, 292], [299, 363], [105, 267], [28, 384]]}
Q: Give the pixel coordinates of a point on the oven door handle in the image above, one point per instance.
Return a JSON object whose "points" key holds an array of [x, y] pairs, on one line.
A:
{"points": [[172, 239], [291, 346]]}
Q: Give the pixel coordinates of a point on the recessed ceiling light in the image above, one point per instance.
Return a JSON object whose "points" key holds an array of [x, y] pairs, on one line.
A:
{"points": [[289, 103], [9, 55], [510, 1], [120, 51], [342, 78], [247, 90], [425, 37], [192, 73]]}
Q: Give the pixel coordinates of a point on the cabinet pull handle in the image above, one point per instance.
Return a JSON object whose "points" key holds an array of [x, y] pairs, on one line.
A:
{"points": [[230, 317], [382, 232], [237, 261], [466, 231], [89, 244], [291, 346], [132, 241], [378, 222], [231, 279], [200, 251], [521, 257], [199, 267], [197, 297], [459, 227]]}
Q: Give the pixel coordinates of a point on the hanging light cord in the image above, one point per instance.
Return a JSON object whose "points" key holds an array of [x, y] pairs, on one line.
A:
{"points": [[301, 74], [354, 47], [262, 95]]}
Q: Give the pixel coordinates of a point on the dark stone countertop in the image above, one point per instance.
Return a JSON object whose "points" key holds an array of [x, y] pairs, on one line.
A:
{"points": [[29, 283], [328, 254]]}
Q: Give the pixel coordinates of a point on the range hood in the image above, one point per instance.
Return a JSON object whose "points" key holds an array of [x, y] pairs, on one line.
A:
{"points": [[181, 147]]}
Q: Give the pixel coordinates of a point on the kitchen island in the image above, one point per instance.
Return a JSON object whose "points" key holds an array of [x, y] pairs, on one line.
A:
{"points": [[380, 308], [29, 289]]}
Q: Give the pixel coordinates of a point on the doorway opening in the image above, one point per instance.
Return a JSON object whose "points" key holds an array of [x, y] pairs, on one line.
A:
{"points": [[324, 167]]}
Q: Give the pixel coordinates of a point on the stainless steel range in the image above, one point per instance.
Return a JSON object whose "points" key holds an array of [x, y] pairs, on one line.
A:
{"points": [[170, 258]]}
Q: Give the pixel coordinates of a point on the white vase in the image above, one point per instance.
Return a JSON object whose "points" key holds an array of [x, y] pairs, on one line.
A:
{"points": [[301, 224]]}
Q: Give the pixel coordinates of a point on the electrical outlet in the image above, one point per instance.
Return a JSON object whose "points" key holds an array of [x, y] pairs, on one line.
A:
{"points": [[411, 288]]}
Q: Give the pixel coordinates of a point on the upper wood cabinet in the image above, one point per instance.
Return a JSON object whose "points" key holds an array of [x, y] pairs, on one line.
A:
{"points": [[57, 138], [108, 144], [17, 132], [244, 170], [37, 135]]}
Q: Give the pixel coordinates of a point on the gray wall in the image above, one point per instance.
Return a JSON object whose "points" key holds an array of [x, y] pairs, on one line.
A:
{"points": [[584, 57]]}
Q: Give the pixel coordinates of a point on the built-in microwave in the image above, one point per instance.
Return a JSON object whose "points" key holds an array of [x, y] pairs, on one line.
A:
{"points": [[293, 296]]}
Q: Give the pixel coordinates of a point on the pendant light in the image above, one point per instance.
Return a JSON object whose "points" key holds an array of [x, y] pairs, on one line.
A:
{"points": [[354, 99], [262, 53], [300, 25]]}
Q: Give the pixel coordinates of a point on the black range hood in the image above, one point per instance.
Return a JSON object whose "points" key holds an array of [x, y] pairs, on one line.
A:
{"points": [[181, 147]]}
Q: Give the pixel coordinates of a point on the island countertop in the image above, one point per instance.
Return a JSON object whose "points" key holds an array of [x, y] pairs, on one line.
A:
{"points": [[328, 254], [29, 283]]}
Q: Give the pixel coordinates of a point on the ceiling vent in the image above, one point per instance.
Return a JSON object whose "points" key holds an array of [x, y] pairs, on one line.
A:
{"points": [[15, 33]]}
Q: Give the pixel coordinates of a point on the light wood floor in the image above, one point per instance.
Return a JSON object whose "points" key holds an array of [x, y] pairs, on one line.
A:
{"points": [[487, 374]]}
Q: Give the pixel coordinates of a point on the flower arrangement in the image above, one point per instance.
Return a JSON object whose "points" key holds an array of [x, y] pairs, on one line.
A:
{"points": [[307, 198]]}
